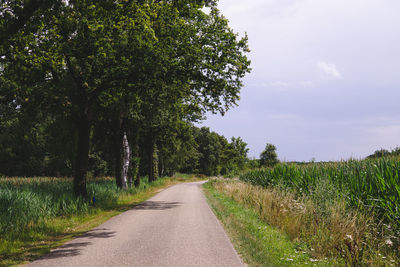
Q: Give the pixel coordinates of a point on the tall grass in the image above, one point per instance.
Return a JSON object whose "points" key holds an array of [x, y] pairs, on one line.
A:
{"points": [[345, 236], [27, 202], [367, 185]]}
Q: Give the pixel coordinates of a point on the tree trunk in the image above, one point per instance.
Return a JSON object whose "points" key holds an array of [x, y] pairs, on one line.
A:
{"points": [[81, 165], [161, 170], [126, 157], [118, 152], [137, 176], [153, 159], [135, 160]]}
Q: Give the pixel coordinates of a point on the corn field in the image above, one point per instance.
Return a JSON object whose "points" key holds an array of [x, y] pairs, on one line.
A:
{"points": [[371, 186]]}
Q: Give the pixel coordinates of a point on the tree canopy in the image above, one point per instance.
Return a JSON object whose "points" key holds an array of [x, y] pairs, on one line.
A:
{"points": [[269, 157], [78, 76]]}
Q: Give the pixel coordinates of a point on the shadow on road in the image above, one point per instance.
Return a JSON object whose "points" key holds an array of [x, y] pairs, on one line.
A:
{"points": [[68, 250], [73, 249], [157, 205], [98, 233]]}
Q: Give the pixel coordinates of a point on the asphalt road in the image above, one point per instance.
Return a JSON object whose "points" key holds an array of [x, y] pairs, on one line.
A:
{"points": [[174, 228]]}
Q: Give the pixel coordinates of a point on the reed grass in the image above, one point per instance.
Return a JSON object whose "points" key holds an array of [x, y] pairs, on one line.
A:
{"points": [[26, 203]]}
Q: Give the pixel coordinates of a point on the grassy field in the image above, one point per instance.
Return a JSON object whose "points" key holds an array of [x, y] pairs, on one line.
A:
{"points": [[348, 209], [37, 214]]}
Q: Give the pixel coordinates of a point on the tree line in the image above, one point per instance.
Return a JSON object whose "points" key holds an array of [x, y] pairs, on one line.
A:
{"points": [[385, 153], [115, 86]]}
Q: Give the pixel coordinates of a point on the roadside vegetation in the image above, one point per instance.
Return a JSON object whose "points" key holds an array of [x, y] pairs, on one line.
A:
{"points": [[345, 211], [37, 214], [369, 186], [257, 242]]}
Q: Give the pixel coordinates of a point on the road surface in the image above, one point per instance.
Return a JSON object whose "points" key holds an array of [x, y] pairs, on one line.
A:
{"points": [[174, 228]]}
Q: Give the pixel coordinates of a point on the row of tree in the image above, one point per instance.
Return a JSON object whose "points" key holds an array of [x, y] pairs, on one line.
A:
{"points": [[116, 84], [384, 153], [28, 150]]}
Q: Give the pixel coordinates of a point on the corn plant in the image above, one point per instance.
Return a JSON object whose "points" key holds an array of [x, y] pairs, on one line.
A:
{"points": [[368, 185]]}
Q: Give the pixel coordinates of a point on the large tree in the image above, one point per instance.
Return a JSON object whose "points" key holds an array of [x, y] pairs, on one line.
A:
{"points": [[77, 59], [120, 65], [196, 65]]}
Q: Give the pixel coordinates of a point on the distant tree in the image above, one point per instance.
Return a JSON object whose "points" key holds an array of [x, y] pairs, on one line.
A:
{"points": [[269, 157], [241, 150], [396, 151], [234, 156], [253, 163], [210, 150], [379, 154], [384, 153]]}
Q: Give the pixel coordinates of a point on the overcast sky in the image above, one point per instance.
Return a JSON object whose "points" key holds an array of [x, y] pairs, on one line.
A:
{"points": [[326, 77]]}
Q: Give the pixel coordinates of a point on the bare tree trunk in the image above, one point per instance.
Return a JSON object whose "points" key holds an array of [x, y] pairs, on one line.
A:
{"points": [[126, 156]]}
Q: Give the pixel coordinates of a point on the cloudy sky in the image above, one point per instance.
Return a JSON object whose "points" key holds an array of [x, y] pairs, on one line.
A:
{"points": [[326, 77]]}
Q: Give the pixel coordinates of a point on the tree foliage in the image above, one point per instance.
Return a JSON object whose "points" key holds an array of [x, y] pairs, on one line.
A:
{"points": [[384, 153], [269, 157], [78, 76]]}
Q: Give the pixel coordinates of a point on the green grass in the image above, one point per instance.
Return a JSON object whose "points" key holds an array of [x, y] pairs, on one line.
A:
{"points": [[258, 243], [38, 214]]}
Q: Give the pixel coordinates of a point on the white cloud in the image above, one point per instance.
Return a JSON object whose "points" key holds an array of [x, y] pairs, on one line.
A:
{"points": [[329, 69]]}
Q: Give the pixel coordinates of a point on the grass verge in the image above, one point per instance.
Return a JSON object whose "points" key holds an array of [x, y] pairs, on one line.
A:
{"points": [[40, 238], [258, 243], [325, 229]]}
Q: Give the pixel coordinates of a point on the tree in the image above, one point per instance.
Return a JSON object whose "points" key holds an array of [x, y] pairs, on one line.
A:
{"points": [[269, 156], [134, 69], [384, 153], [196, 65], [78, 59], [241, 150], [210, 150]]}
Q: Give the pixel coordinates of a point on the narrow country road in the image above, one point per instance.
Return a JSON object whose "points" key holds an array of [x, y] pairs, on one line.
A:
{"points": [[174, 228]]}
